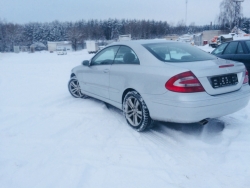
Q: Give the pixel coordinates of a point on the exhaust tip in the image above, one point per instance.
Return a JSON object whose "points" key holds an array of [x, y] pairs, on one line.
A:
{"points": [[204, 121]]}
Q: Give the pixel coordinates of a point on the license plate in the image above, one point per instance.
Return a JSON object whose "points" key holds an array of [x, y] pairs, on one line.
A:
{"points": [[225, 80]]}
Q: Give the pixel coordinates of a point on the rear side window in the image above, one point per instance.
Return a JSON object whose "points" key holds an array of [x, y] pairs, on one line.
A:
{"points": [[248, 45], [177, 52], [126, 55], [240, 49], [220, 49], [231, 48]]}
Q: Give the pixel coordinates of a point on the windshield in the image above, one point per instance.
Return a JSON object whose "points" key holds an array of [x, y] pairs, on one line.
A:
{"points": [[177, 52]]}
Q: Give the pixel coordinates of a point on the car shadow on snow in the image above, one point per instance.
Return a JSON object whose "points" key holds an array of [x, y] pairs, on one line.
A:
{"points": [[214, 126]]}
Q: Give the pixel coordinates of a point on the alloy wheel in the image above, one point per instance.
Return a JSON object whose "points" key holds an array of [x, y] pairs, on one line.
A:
{"points": [[133, 111], [74, 88]]}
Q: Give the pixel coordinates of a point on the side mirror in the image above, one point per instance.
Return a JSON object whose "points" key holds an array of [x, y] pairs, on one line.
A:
{"points": [[85, 63]]}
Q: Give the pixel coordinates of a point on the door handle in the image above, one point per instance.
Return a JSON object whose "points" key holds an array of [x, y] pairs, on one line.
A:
{"points": [[106, 70]]}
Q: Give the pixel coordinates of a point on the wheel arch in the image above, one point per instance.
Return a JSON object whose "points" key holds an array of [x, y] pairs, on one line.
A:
{"points": [[125, 92], [72, 75], [147, 121], [131, 89]]}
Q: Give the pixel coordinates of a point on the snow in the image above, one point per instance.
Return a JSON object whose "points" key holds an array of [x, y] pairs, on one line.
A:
{"points": [[50, 139], [206, 48], [241, 38]]}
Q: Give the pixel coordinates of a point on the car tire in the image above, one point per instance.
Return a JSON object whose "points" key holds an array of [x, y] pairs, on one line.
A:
{"points": [[74, 88], [136, 111]]}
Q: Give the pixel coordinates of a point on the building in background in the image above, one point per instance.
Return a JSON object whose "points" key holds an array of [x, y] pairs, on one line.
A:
{"points": [[207, 36], [92, 46], [198, 40], [172, 37], [16, 49], [53, 46], [124, 37]]}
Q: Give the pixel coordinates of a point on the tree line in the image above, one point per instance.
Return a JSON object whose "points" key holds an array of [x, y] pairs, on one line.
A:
{"points": [[12, 34]]}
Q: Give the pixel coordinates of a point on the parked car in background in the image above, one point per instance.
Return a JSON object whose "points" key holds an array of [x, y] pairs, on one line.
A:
{"points": [[61, 51], [162, 80], [236, 51]]}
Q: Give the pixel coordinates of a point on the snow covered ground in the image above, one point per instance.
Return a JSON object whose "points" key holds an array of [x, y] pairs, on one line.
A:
{"points": [[50, 139]]}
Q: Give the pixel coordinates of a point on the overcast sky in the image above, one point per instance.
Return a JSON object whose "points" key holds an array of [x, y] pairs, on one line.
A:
{"points": [[199, 11]]}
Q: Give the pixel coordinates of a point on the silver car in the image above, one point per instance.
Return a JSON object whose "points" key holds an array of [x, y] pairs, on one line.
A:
{"points": [[162, 80]]}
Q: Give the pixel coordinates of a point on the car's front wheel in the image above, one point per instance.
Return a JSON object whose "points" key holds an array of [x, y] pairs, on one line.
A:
{"points": [[136, 111], [74, 88]]}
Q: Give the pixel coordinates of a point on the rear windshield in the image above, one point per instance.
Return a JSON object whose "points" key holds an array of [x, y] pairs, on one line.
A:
{"points": [[177, 52]]}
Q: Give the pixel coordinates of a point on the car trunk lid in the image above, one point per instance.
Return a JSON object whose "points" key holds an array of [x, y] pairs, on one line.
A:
{"points": [[217, 76]]}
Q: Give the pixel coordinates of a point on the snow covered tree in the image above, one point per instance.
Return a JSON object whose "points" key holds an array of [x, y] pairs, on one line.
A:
{"points": [[12, 34], [226, 17], [246, 26], [115, 31], [1, 36], [28, 33], [75, 34]]}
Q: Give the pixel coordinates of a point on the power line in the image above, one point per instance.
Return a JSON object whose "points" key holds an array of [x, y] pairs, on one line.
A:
{"points": [[186, 12]]}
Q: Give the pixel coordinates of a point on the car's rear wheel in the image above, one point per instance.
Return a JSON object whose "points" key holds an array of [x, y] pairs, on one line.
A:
{"points": [[136, 111], [74, 88]]}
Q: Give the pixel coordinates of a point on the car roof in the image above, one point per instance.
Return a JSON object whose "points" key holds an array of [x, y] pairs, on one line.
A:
{"points": [[143, 54], [240, 40], [131, 42]]}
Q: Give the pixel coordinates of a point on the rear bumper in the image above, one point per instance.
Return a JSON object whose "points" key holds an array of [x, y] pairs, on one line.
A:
{"points": [[189, 108]]}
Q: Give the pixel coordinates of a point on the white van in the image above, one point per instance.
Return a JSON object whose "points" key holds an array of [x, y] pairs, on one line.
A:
{"points": [[61, 51]]}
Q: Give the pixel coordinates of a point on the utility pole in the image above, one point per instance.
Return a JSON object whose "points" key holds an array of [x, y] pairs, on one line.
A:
{"points": [[186, 12], [237, 14]]}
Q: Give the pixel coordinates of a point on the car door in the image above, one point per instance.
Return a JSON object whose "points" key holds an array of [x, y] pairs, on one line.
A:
{"points": [[246, 57], [219, 50], [125, 64], [240, 54], [230, 51], [96, 76]]}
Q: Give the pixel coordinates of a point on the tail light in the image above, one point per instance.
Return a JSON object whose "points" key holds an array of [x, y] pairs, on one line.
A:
{"points": [[225, 66], [185, 82], [246, 79]]}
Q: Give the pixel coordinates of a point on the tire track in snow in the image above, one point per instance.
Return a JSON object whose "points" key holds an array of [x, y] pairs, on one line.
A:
{"points": [[19, 127], [7, 118], [59, 101]]}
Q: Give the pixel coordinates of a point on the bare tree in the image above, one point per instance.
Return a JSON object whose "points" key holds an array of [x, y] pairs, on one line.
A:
{"points": [[181, 27], [75, 35], [12, 34]]}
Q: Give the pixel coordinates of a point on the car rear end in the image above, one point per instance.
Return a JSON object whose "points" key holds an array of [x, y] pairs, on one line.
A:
{"points": [[192, 97], [206, 89]]}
